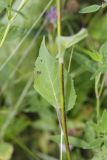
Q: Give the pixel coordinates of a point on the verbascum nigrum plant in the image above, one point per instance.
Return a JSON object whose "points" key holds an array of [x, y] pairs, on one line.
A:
{"points": [[53, 80]]}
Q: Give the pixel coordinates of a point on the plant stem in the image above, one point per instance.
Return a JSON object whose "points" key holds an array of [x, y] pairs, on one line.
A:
{"points": [[61, 143], [61, 81], [5, 34], [63, 116], [102, 85], [69, 65], [97, 80]]}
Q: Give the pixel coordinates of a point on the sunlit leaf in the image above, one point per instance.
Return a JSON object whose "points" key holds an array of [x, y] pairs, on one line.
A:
{"points": [[93, 55], [6, 151], [90, 9]]}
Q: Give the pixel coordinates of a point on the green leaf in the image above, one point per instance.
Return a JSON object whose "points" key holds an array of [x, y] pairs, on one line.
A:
{"points": [[46, 76], [101, 127], [103, 122], [83, 144], [93, 55], [101, 154], [6, 151], [90, 9], [102, 68], [47, 80], [84, 61], [97, 157], [95, 143], [89, 130], [70, 94], [77, 142], [103, 51], [67, 42]]}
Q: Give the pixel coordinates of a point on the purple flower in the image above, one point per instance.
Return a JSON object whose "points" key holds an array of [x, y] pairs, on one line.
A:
{"points": [[52, 15]]}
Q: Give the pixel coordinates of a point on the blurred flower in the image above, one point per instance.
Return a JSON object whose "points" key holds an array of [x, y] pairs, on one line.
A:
{"points": [[52, 15]]}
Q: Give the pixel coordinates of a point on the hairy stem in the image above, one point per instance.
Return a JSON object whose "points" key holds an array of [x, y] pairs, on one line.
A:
{"points": [[61, 81]]}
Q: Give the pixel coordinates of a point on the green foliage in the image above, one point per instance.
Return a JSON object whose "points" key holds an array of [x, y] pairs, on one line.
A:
{"points": [[6, 151], [33, 123], [47, 80], [11, 18], [96, 30], [89, 130], [67, 42], [103, 65], [102, 154], [3, 4], [93, 55], [90, 9], [103, 51], [46, 76], [79, 143], [101, 127]]}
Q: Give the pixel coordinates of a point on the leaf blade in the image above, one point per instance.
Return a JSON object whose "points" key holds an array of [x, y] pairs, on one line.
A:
{"points": [[90, 9], [46, 81]]}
